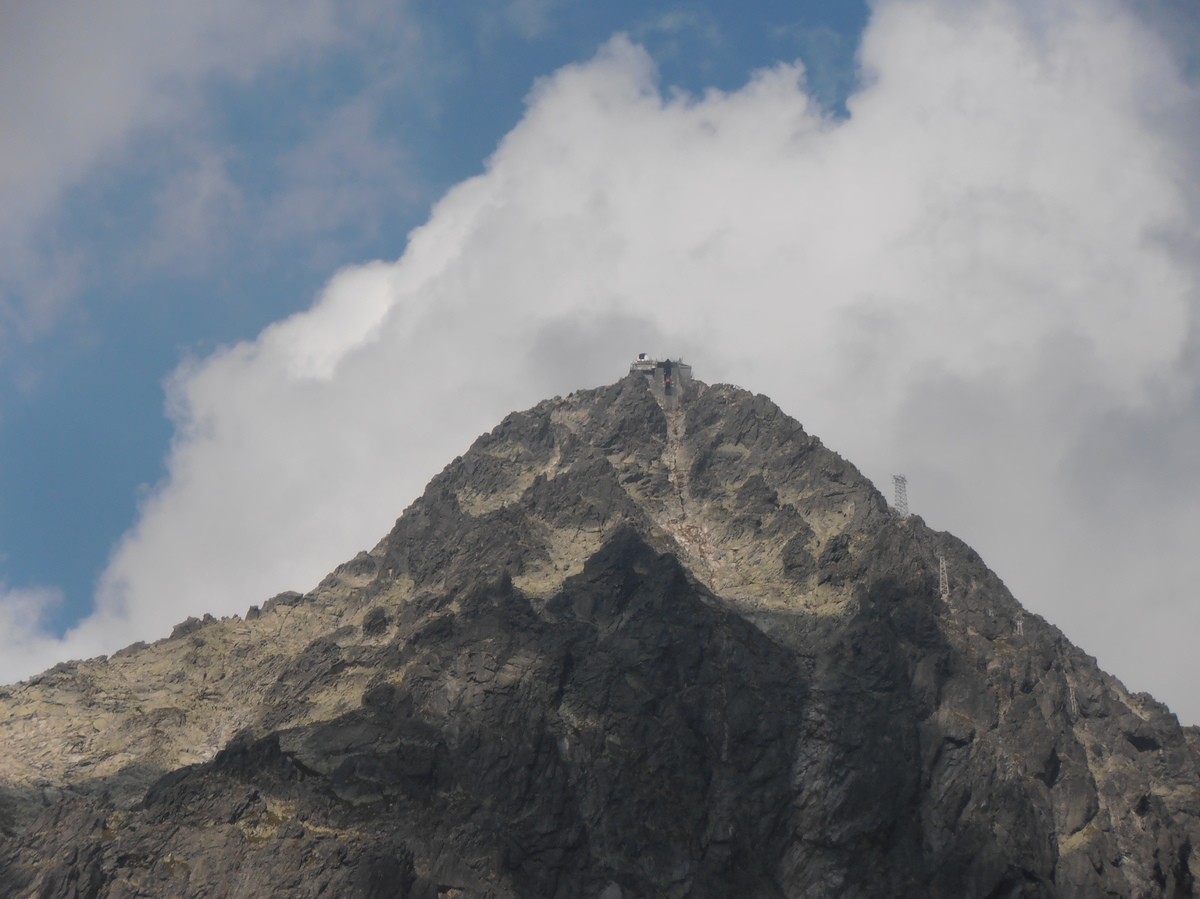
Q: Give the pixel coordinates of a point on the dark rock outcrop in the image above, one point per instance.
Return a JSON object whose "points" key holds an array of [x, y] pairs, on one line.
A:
{"points": [[615, 651]]}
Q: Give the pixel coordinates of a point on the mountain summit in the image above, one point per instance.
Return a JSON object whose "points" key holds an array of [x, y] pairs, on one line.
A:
{"points": [[646, 640]]}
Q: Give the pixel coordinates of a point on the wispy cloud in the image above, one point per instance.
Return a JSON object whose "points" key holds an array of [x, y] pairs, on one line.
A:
{"points": [[345, 172], [678, 22], [78, 82], [530, 18], [197, 210], [340, 176]]}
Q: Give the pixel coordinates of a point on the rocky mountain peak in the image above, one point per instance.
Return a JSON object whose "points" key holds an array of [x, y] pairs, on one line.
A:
{"points": [[630, 644]]}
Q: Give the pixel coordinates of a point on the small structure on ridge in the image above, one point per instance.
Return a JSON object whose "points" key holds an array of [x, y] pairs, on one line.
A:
{"points": [[665, 377]]}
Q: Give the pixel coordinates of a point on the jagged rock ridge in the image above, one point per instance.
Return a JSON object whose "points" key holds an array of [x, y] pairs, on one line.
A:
{"points": [[616, 651]]}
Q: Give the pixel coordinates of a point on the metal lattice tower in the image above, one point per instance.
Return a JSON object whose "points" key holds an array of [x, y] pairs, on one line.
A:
{"points": [[943, 579], [901, 503]]}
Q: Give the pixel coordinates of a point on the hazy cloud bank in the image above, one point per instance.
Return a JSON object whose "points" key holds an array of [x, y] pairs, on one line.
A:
{"points": [[986, 277]]}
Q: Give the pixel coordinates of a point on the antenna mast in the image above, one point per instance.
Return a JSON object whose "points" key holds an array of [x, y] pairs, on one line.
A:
{"points": [[901, 483], [943, 580]]}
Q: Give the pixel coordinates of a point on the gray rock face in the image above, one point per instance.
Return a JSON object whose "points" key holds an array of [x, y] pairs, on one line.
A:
{"points": [[617, 651]]}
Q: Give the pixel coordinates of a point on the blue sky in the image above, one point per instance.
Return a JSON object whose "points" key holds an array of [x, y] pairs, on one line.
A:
{"points": [[955, 238], [82, 430]]}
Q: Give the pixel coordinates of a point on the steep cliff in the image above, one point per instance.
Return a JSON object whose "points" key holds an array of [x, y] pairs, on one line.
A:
{"points": [[612, 651]]}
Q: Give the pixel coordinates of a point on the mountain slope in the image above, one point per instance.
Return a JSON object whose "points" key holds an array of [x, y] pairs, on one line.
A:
{"points": [[613, 650]]}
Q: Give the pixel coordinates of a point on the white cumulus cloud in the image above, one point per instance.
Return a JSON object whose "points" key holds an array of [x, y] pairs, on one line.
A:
{"points": [[985, 276]]}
